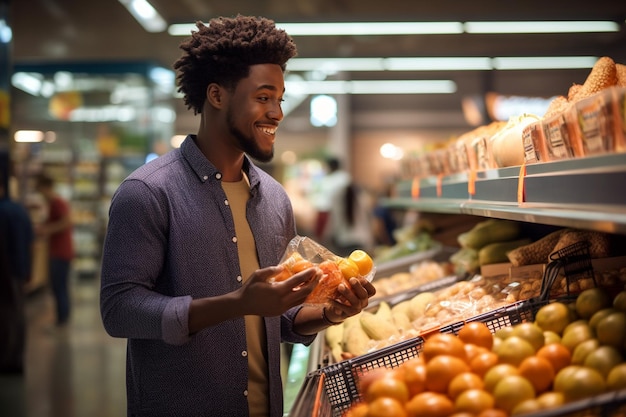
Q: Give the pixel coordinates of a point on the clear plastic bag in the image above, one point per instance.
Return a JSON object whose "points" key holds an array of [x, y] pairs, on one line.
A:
{"points": [[303, 252]]}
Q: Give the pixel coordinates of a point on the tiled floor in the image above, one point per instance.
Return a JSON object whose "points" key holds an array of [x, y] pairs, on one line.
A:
{"points": [[76, 371]]}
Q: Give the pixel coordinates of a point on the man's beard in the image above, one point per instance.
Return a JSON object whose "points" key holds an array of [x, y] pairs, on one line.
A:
{"points": [[247, 143]]}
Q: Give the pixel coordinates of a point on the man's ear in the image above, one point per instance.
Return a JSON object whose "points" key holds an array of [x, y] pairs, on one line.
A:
{"points": [[215, 95]]}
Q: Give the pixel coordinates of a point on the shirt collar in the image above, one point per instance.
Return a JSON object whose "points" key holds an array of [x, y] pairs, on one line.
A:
{"points": [[205, 170]]}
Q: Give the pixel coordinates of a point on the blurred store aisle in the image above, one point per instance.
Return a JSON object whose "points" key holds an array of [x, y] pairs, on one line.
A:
{"points": [[73, 371]]}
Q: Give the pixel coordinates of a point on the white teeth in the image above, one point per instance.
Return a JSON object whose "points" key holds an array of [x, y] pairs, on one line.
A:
{"points": [[268, 131]]}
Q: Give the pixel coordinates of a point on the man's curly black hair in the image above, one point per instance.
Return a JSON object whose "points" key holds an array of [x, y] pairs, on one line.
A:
{"points": [[223, 51]]}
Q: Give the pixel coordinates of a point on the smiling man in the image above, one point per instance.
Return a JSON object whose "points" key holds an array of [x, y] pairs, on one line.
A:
{"points": [[194, 235]]}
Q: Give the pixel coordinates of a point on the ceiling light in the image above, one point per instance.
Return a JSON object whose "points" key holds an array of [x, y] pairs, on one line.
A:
{"points": [[424, 28], [6, 34], [30, 82], [28, 136], [437, 64], [145, 14], [544, 62], [334, 65], [371, 28], [542, 27], [373, 87]]}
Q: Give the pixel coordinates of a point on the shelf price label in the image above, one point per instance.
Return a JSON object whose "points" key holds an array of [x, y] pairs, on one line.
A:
{"points": [[471, 182], [520, 184], [415, 188]]}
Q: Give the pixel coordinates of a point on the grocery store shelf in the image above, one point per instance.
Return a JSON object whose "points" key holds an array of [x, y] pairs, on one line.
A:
{"points": [[584, 193]]}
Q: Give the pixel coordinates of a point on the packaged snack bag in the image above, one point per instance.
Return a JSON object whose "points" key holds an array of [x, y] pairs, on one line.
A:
{"points": [[303, 252]]}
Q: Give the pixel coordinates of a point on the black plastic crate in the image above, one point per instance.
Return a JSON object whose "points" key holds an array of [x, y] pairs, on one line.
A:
{"points": [[341, 379]]}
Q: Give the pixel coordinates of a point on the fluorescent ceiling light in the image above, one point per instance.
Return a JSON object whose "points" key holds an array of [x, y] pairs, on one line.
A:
{"points": [[424, 28], [542, 27], [28, 136], [437, 64], [371, 28], [372, 87], [544, 62], [334, 65], [145, 14]]}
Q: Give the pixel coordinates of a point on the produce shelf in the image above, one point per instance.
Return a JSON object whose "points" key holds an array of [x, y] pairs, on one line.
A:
{"points": [[584, 193]]}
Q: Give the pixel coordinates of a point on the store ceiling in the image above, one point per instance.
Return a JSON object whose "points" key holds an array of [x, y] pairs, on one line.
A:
{"points": [[78, 30]]}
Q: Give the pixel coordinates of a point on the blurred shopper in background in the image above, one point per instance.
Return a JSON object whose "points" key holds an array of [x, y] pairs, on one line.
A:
{"points": [[384, 222], [194, 236], [16, 245], [325, 191], [350, 221], [343, 221], [57, 229]]}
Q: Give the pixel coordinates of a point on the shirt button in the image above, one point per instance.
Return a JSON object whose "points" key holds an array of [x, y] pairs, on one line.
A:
{"points": [[206, 177], [218, 176], [245, 393], [226, 202], [239, 278], [244, 353], [235, 239]]}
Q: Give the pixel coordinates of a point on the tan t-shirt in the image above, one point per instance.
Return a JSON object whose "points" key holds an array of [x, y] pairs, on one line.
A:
{"points": [[238, 194]]}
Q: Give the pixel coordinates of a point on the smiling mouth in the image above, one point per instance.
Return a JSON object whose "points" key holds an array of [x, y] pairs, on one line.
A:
{"points": [[270, 131]]}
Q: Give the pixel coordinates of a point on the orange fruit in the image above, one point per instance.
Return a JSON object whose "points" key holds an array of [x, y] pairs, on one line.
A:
{"points": [[371, 375], [619, 301], [583, 349], [599, 315], [474, 401], [463, 382], [429, 404], [386, 407], [476, 333], [326, 289], [576, 333], [284, 274], [512, 390], [591, 301], [496, 373], [611, 330], [553, 317], [530, 332], [538, 371], [441, 370], [493, 412], [348, 268], [387, 386], [300, 266], [603, 359], [577, 382], [551, 399], [362, 260], [357, 410], [482, 362], [616, 379], [558, 355], [530, 405], [471, 351], [443, 344], [414, 374], [514, 350]]}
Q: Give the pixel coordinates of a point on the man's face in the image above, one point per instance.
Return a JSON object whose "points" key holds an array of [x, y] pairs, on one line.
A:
{"points": [[254, 111]]}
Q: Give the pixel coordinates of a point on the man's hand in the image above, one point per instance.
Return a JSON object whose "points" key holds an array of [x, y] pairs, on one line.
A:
{"points": [[353, 300], [273, 299]]}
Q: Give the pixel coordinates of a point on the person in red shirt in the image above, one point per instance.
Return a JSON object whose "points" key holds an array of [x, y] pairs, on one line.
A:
{"points": [[58, 230]]}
